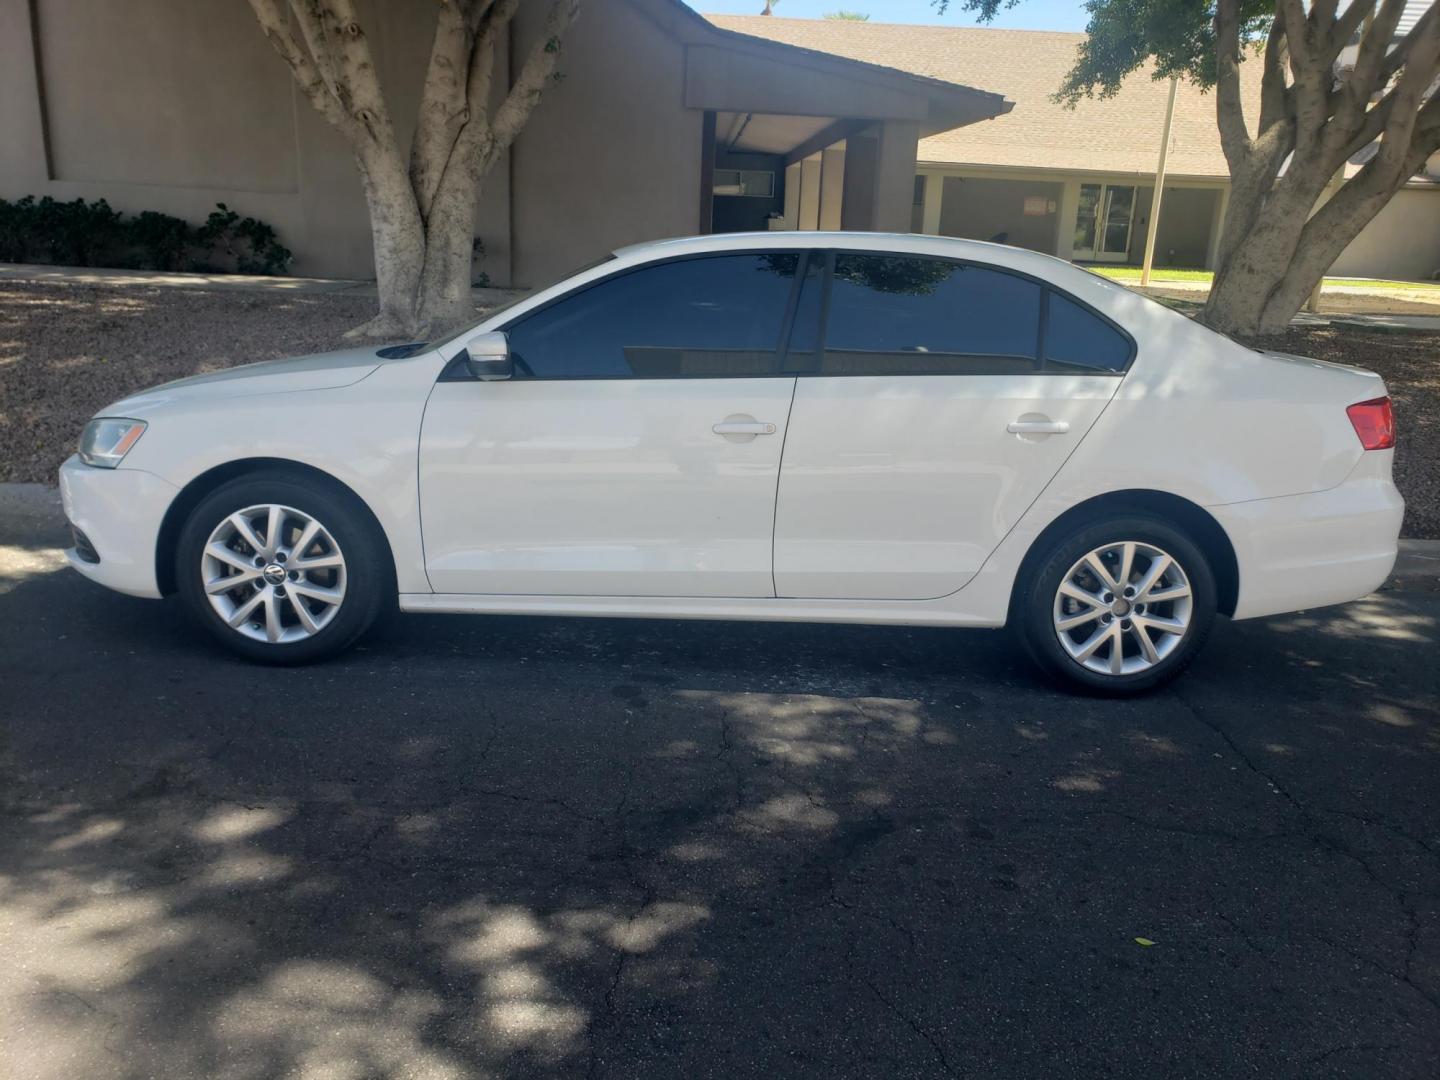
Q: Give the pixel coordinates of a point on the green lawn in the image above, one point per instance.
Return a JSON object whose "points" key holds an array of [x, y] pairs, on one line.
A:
{"points": [[1132, 273]]}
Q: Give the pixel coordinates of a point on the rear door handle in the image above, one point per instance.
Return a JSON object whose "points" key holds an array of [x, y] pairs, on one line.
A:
{"points": [[743, 427], [1038, 427]]}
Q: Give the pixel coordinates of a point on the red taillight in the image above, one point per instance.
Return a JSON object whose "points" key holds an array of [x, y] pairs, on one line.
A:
{"points": [[1374, 422]]}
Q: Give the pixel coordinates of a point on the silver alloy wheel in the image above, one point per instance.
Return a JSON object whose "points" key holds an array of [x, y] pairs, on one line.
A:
{"points": [[273, 573], [1123, 608]]}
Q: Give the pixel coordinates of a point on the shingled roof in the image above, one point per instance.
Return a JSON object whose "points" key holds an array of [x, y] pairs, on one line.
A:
{"points": [[1113, 135]]}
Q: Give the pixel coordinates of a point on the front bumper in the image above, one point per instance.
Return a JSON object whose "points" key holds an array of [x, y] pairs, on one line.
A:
{"points": [[1325, 547], [119, 511]]}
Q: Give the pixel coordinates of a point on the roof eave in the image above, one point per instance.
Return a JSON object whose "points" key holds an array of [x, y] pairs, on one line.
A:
{"points": [[971, 102]]}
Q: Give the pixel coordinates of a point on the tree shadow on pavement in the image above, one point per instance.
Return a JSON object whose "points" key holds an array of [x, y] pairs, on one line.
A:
{"points": [[544, 847]]}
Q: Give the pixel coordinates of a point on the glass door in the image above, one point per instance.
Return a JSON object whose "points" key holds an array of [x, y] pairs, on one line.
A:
{"points": [[1087, 221], [1103, 220], [1119, 213]]}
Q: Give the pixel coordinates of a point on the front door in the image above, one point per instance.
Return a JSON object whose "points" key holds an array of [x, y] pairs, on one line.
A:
{"points": [[636, 451], [1103, 220], [930, 416]]}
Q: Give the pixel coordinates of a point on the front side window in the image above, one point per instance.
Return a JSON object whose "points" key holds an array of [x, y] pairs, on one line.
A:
{"points": [[718, 316], [898, 315]]}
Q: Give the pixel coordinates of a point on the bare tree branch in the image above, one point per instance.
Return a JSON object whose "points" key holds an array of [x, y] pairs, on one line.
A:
{"points": [[1399, 56], [312, 26], [1298, 30], [355, 71], [1229, 102], [482, 72], [443, 104], [275, 22], [1415, 83], [538, 68], [1276, 105], [1347, 25], [1375, 42]]}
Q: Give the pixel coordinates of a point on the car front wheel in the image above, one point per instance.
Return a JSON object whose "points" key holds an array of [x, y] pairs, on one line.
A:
{"points": [[282, 570], [1120, 606]]}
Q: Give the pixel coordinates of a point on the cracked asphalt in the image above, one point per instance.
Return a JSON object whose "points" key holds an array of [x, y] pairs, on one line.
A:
{"points": [[562, 848]]}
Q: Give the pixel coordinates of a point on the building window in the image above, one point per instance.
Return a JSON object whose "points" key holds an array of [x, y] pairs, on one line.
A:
{"points": [[754, 183]]}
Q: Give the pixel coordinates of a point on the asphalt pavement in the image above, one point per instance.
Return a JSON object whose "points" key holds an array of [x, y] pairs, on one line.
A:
{"points": [[508, 847]]}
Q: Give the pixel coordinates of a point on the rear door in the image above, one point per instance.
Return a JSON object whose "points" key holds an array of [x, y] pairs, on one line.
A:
{"points": [[938, 402], [635, 452]]}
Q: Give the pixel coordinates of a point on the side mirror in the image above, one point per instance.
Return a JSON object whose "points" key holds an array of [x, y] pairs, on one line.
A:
{"points": [[488, 356]]}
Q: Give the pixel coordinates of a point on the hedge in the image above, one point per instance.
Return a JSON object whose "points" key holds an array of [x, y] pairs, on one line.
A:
{"points": [[93, 234]]}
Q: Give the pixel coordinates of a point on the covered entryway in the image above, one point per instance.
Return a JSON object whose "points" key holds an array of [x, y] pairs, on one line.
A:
{"points": [[775, 172], [794, 139]]}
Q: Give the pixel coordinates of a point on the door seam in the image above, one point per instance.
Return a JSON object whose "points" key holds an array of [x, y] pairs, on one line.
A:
{"points": [[779, 473]]}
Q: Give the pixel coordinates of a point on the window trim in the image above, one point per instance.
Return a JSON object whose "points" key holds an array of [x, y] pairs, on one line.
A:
{"points": [[1046, 288], [454, 371], [782, 342]]}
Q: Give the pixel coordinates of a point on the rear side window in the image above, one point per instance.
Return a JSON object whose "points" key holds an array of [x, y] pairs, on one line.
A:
{"points": [[714, 317], [1080, 341], [895, 315]]}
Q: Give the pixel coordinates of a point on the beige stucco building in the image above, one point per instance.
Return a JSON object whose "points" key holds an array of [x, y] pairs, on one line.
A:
{"points": [[666, 123], [1079, 183], [174, 105]]}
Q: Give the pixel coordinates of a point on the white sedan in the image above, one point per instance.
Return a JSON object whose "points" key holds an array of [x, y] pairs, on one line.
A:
{"points": [[821, 427]]}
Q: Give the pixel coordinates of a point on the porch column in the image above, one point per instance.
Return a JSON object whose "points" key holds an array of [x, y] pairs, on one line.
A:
{"points": [[832, 187], [1069, 207], [810, 193], [933, 195], [792, 195], [880, 177]]}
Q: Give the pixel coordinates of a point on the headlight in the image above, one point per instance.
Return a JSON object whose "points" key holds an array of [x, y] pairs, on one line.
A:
{"points": [[107, 439]]}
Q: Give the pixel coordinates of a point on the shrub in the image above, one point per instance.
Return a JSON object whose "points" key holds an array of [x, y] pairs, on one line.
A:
{"points": [[92, 234], [163, 241]]}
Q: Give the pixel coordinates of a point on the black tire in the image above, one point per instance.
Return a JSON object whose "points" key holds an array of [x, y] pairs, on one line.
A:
{"points": [[369, 577], [1033, 612]]}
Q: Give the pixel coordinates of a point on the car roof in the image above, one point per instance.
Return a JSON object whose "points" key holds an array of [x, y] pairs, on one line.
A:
{"points": [[908, 243]]}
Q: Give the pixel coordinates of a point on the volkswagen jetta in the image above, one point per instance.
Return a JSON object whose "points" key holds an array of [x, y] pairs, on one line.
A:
{"points": [[819, 427]]}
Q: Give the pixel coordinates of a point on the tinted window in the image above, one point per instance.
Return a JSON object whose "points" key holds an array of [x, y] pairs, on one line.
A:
{"points": [[1077, 340], [697, 318], [904, 316]]}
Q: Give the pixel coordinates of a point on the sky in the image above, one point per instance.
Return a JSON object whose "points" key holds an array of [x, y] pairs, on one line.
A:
{"points": [[1027, 15]]}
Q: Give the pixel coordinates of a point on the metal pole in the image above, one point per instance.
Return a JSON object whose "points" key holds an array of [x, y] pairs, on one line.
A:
{"points": [[1159, 188]]}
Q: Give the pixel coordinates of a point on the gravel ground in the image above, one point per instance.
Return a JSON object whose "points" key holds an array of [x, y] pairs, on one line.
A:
{"points": [[67, 350], [1410, 365]]}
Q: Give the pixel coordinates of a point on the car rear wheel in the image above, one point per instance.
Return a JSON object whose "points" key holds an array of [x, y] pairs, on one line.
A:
{"points": [[1119, 606], [281, 570]]}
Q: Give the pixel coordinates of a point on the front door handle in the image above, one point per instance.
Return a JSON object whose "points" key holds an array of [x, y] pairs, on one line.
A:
{"points": [[1038, 427], [742, 428]]}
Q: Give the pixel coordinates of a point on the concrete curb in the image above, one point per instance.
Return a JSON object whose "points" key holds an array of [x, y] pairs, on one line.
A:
{"points": [[1418, 559]]}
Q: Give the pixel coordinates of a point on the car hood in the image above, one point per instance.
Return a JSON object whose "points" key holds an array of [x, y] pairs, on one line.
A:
{"points": [[321, 371]]}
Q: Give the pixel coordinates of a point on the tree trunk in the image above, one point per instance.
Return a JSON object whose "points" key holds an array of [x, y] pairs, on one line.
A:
{"points": [[1277, 245], [422, 220], [400, 250], [449, 247]]}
